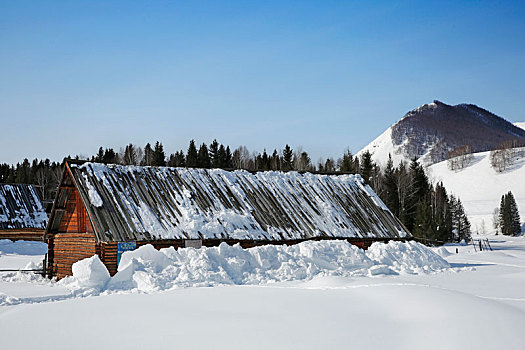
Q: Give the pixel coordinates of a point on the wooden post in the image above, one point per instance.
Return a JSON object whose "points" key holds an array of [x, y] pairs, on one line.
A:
{"points": [[44, 265]]}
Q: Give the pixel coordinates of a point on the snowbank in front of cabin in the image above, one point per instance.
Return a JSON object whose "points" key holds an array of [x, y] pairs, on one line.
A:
{"points": [[410, 257], [90, 273], [147, 269], [22, 247]]}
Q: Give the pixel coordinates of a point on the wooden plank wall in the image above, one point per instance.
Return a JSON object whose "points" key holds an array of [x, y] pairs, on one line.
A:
{"points": [[75, 219], [74, 240], [69, 248], [27, 234]]}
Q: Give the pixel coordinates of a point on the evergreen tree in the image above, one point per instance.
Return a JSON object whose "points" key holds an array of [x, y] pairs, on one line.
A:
{"points": [[265, 160], [5, 172], [159, 157], [177, 159], [221, 158], [417, 190], [203, 157], [423, 227], [287, 158], [347, 163], [23, 172], [148, 155], [390, 193], [191, 155], [420, 183], [275, 161], [460, 222], [11, 177], [366, 167], [442, 214], [110, 156], [100, 156], [515, 222], [228, 162], [509, 216], [214, 154]]}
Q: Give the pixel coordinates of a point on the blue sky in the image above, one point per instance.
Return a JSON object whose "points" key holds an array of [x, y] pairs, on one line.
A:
{"points": [[323, 75]]}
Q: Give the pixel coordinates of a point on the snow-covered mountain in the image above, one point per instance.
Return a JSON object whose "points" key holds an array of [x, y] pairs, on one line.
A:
{"points": [[432, 130], [520, 125], [480, 187]]}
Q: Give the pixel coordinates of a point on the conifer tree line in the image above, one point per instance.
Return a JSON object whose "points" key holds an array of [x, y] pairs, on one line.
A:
{"points": [[44, 174], [425, 209], [509, 216], [216, 155]]}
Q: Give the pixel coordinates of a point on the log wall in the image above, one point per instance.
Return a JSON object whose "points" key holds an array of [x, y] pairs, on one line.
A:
{"points": [[28, 234], [74, 240], [75, 219], [69, 248]]}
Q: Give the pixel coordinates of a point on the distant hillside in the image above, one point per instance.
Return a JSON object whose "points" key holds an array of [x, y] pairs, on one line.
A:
{"points": [[480, 187], [432, 130]]}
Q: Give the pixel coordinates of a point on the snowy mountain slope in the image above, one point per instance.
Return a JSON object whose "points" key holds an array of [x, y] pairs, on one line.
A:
{"points": [[520, 125], [429, 132], [382, 146], [480, 187]]}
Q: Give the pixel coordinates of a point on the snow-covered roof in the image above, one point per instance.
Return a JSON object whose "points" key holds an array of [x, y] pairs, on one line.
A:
{"points": [[128, 203], [21, 207]]}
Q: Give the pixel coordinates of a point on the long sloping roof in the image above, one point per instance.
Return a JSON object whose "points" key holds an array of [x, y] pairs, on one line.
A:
{"points": [[128, 203], [21, 207]]}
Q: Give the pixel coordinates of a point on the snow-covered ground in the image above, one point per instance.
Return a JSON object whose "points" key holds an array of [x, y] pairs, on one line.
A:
{"points": [[480, 188], [475, 301]]}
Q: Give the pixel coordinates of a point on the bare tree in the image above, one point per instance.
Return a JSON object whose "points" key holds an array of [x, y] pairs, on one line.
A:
{"points": [[301, 160], [495, 219], [42, 181], [129, 157], [499, 159], [459, 157], [504, 156], [329, 165], [241, 158]]}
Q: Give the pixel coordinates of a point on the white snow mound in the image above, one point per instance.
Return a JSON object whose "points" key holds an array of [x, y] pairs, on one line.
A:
{"points": [[90, 273], [147, 269], [408, 258]]}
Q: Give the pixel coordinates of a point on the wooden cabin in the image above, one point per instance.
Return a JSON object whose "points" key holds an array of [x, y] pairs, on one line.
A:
{"points": [[22, 214], [108, 209]]}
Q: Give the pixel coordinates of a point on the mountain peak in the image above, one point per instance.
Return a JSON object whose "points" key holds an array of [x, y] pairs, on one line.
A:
{"points": [[430, 131]]}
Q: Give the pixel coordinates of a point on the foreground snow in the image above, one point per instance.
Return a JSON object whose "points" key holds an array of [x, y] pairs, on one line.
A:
{"points": [[477, 303]]}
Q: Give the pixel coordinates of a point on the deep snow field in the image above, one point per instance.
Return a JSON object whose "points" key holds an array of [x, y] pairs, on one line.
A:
{"points": [[324, 295]]}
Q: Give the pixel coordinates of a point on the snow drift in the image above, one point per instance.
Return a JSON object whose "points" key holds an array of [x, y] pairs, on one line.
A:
{"points": [[147, 269], [22, 247]]}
